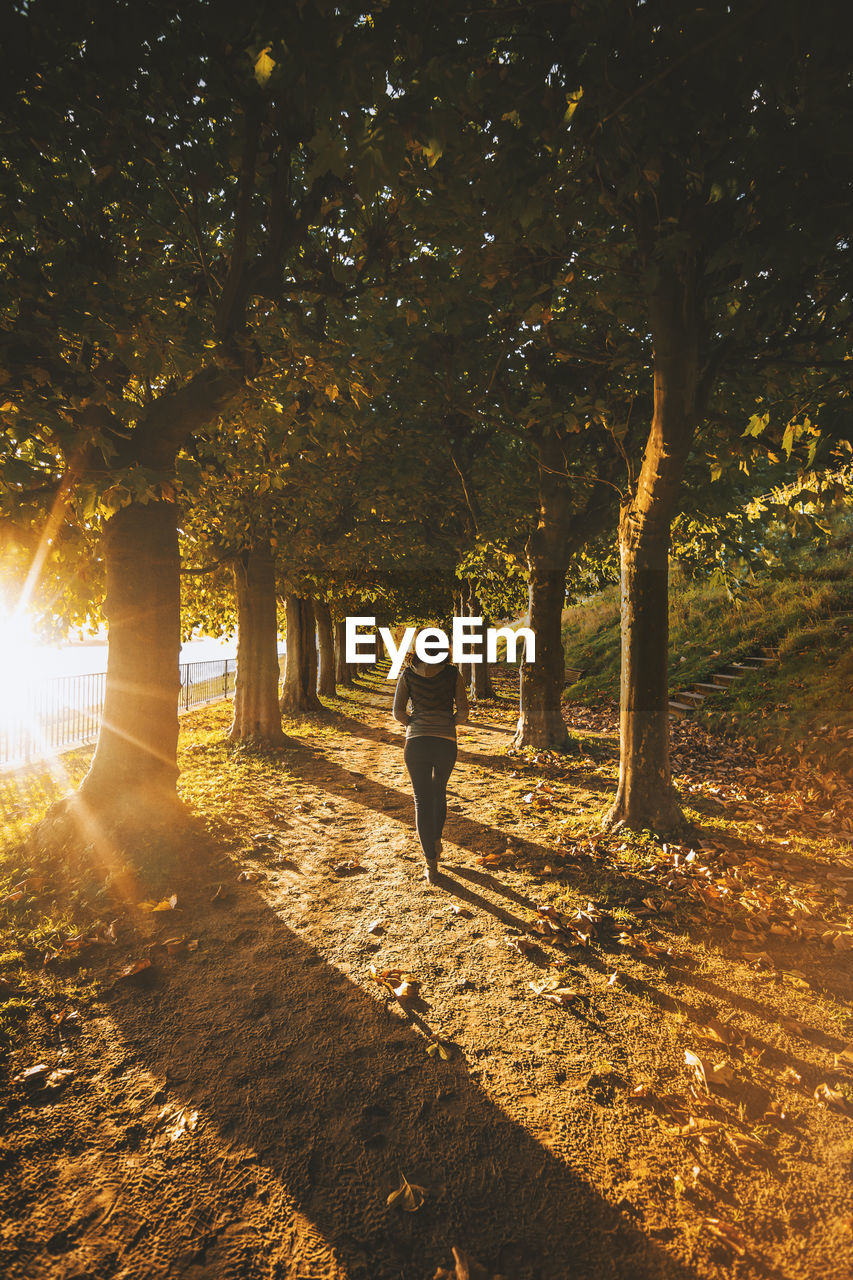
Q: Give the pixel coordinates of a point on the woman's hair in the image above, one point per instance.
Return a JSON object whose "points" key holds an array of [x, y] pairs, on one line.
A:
{"points": [[412, 660]]}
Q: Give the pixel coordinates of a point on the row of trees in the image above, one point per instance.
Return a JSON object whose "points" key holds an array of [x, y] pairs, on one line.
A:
{"points": [[373, 302]]}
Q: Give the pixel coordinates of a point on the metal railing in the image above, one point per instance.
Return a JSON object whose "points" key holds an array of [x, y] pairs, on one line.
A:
{"points": [[65, 712]]}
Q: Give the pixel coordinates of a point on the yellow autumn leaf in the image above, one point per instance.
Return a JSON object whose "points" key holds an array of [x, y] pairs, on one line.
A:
{"points": [[264, 65]]}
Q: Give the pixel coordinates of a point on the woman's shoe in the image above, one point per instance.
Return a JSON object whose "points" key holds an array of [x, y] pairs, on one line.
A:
{"points": [[431, 872]]}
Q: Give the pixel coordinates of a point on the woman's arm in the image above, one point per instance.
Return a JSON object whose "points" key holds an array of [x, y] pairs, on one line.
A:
{"points": [[401, 700], [461, 697]]}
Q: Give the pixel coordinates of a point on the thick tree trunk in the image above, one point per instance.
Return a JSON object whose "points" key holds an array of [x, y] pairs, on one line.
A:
{"points": [[343, 669], [541, 722], [136, 756], [646, 797], [326, 646], [257, 717], [300, 668]]}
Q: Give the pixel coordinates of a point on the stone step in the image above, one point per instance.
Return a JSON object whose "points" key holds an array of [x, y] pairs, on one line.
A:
{"points": [[678, 710], [727, 679], [690, 695], [703, 687]]}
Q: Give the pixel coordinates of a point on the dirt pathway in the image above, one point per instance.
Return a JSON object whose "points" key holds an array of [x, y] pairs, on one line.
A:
{"points": [[246, 1108]]}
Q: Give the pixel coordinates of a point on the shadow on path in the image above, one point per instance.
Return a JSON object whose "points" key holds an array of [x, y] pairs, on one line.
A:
{"points": [[286, 1057]]}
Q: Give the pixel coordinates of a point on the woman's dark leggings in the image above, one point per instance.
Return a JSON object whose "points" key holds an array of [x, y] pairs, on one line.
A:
{"points": [[430, 763]]}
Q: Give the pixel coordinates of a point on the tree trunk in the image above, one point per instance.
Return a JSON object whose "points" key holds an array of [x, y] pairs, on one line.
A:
{"points": [[326, 672], [257, 717], [481, 680], [136, 756], [300, 668], [540, 722], [646, 797], [343, 669]]}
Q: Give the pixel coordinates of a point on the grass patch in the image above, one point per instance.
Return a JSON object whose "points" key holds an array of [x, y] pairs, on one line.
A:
{"points": [[805, 615]]}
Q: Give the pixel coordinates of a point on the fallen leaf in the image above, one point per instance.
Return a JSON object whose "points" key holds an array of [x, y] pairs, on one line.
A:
{"points": [[715, 1031], [348, 868], [58, 1078], [727, 1233], [408, 1196], [219, 895], [33, 1075], [709, 1074], [185, 1122], [406, 991], [843, 1061], [436, 1049], [131, 970], [832, 1098], [168, 904], [69, 1018], [376, 926], [249, 877], [522, 945], [554, 993], [464, 912], [466, 1268]]}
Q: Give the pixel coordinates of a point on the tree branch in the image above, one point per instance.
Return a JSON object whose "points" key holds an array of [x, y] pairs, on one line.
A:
{"points": [[228, 313]]}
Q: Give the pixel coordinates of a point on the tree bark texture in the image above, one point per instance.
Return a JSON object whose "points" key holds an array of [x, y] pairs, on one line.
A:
{"points": [[136, 753], [300, 668], [326, 647], [343, 669], [257, 716], [481, 680], [540, 722], [646, 797]]}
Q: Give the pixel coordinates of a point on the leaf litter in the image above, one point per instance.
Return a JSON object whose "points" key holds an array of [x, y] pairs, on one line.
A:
{"points": [[722, 889]]}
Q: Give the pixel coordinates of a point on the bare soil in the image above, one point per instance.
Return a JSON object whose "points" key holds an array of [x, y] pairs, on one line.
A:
{"points": [[245, 1105]]}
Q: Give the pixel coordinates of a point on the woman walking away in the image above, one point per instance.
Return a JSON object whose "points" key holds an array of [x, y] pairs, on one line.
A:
{"points": [[436, 693]]}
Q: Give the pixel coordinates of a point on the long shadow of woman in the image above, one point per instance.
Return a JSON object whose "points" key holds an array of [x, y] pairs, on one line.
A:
{"points": [[313, 1099]]}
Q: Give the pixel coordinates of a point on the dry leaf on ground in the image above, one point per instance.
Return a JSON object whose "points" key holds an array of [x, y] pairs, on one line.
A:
{"points": [[132, 970], [728, 1234], [466, 1268], [167, 904], [717, 1074], [554, 993], [408, 1196], [33, 1075]]}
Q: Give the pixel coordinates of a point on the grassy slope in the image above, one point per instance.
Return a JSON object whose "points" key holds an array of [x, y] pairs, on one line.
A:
{"points": [[806, 616]]}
